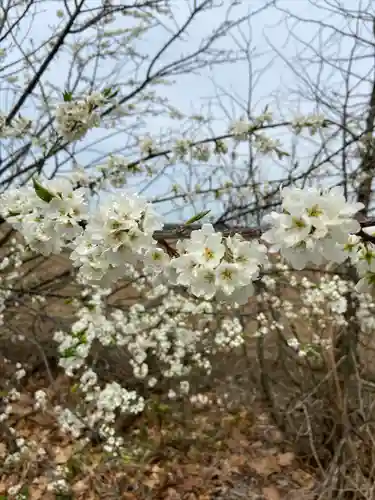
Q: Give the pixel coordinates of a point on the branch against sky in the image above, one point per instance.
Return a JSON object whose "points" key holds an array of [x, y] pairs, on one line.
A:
{"points": [[319, 68], [164, 62], [139, 49], [333, 72]]}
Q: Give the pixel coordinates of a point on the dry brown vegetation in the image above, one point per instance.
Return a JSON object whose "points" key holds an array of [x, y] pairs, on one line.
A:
{"points": [[277, 426]]}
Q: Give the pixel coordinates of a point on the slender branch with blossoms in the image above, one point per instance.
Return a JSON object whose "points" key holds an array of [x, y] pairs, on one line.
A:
{"points": [[316, 227]]}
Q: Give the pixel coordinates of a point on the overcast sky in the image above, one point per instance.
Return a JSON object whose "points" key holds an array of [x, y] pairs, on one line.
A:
{"points": [[277, 43]]}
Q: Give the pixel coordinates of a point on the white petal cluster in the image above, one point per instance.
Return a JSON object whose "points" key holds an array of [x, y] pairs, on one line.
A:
{"points": [[326, 299], [365, 313], [212, 266], [118, 234], [362, 256], [46, 226], [91, 325], [40, 400], [108, 242], [17, 128], [165, 341], [75, 117], [114, 397], [314, 226], [69, 422], [312, 122], [177, 331], [9, 274], [241, 130]]}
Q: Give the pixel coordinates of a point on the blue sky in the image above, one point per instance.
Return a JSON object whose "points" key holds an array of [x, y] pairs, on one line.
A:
{"points": [[222, 92]]}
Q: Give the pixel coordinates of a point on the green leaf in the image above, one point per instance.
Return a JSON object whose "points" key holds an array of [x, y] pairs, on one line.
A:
{"points": [[109, 93], [197, 217], [281, 154], [42, 192], [25, 492], [68, 96], [126, 458], [162, 408], [69, 352]]}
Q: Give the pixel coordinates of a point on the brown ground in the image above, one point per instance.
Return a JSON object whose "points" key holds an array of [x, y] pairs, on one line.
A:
{"points": [[209, 453]]}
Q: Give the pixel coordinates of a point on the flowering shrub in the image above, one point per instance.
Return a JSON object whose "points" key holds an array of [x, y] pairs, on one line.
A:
{"points": [[118, 238]]}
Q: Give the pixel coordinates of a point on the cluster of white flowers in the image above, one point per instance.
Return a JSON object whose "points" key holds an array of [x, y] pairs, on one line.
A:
{"points": [[166, 331], [241, 129], [147, 146], [40, 400], [59, 485], [12, 395], [163, 342], [312, 348], [113, 173], [313, 123], [265, 145], [328, 298], [75, 117], [54, 217], [92, 324], [109, 402], [362, 255], [210, 265], [314, 226], [17, 128], [114, 397], [118, 234], [365, 313], [48, 218], [9, 273], [185, 150], [69, 422], [319, 305], [24, 449]]}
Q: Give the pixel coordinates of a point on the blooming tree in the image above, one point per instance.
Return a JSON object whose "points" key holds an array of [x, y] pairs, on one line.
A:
{"points": [[117, 237], [194, 288]]}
